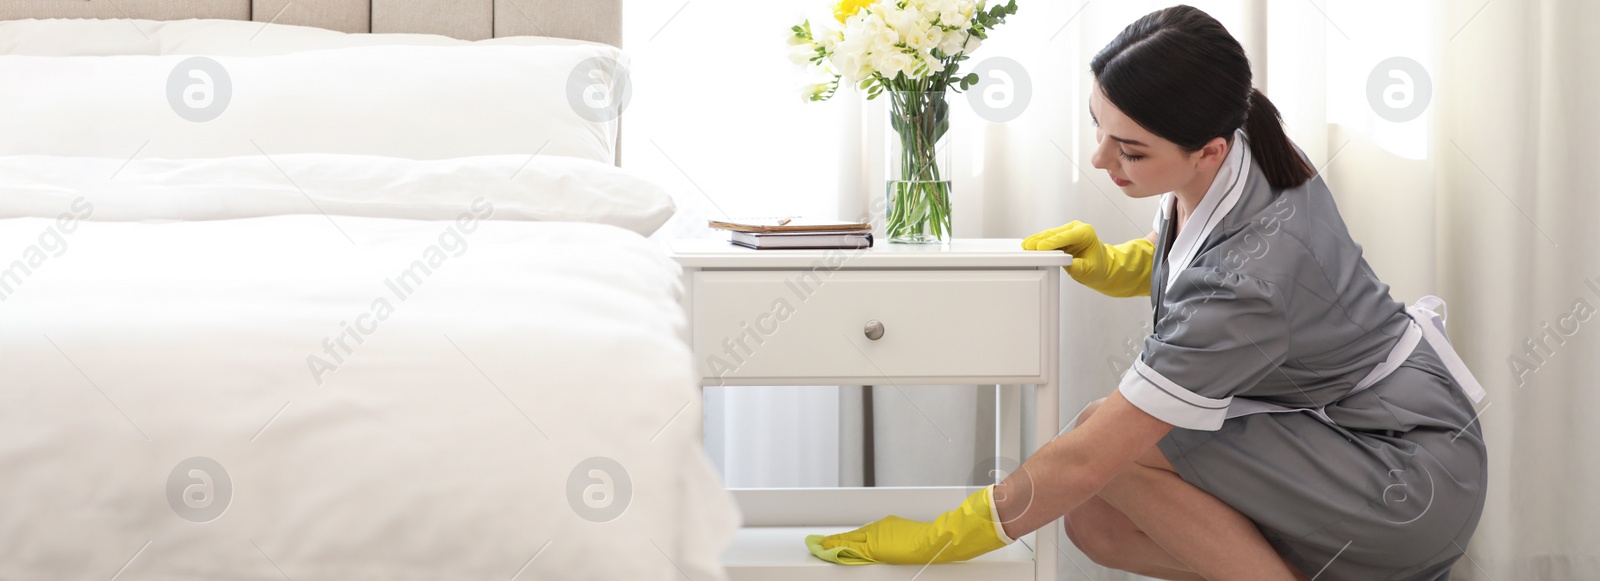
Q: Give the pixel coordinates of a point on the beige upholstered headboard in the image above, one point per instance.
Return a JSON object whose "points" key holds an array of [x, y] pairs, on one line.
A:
{"points": [[593, 20]]}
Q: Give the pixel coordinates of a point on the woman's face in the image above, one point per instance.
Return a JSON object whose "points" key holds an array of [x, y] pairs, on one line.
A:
{"points": [[1141, 163]]}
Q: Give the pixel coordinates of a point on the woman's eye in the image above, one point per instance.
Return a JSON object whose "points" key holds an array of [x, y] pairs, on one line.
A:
{"points": [[1129, 157]]}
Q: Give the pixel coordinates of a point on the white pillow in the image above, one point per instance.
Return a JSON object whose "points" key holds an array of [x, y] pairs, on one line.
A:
{"points": [[401, 101], [92, 37], [521, 187]]}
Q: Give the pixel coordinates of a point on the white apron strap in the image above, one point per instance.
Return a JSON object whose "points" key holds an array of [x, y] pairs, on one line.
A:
{"points": [[1429, 314], [1397, 356], [1427, 323]]}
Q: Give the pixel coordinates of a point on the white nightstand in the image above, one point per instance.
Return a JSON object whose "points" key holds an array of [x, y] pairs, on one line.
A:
{"points": [[976, 311]]}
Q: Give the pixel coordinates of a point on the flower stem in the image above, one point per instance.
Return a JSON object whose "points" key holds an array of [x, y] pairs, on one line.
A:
{"points": [[919, 196]]}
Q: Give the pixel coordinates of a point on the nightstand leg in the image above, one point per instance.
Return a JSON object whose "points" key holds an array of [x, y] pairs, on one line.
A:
{"points": [[1009, 424], [1046, 417]]}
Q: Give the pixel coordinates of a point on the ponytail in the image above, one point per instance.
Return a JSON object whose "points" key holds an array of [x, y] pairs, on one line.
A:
{"points": [[1278, 158]]}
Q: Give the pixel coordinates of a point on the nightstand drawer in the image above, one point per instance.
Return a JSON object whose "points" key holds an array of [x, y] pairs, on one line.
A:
{"points": [[814, 324]]}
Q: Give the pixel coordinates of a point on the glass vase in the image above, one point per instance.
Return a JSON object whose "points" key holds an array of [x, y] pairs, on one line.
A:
{"points": [[918, 189]]}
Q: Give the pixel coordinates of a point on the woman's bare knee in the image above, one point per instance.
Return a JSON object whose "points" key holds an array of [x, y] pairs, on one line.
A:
{"points": [[1093, 539]]}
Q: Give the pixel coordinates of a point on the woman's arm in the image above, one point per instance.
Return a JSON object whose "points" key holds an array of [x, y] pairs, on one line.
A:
{"points": [[1059, 477], [1073, 467]]}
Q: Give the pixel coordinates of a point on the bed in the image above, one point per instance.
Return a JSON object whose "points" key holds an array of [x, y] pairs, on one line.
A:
{"points": [[391, 314]]}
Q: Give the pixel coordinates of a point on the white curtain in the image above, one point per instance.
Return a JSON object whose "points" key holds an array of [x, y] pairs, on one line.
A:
{"points": [[1486, 198], [1518, 254]]}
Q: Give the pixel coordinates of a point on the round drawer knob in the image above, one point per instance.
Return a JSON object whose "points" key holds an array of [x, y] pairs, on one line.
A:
{"points": [[873, 330]]}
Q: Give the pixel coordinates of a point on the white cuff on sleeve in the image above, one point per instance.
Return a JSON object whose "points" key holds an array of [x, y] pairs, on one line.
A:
{"points": [[994, 517], [1170, 402]]}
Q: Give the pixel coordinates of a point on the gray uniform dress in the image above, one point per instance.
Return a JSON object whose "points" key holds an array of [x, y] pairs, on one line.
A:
{"points": [[1300, 392]]}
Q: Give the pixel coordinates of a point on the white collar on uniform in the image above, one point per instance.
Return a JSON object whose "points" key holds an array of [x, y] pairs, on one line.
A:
{"points": [[1225, 192]]}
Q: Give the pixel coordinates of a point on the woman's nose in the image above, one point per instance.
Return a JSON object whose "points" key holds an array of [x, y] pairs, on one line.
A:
{"points": [[1101, 158]]}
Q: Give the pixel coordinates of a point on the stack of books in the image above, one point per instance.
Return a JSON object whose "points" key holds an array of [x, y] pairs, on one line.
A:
{"points": [[770, 233]]}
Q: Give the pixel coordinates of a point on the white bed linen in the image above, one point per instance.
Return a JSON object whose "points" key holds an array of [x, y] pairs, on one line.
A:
{"points": [[440, 448], [420, 102], [521, 187]]}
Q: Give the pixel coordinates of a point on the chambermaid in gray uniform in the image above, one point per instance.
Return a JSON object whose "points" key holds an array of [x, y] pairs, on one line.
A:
{"points": [[1333, 416]]}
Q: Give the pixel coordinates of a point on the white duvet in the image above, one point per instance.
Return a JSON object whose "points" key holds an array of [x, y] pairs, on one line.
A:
{"points": [[353, 398]]}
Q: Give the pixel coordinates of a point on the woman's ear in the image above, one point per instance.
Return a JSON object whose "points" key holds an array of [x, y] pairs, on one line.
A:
{"points": [[1212, 154]]}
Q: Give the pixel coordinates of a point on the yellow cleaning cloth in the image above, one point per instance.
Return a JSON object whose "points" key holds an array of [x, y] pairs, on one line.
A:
{"points": [[842, 555]]}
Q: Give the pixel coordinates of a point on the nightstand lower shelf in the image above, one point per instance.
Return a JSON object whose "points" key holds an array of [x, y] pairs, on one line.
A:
{"points": [[771, 547]]}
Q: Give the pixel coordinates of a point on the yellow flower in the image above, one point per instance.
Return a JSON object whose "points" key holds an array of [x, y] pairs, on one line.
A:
{"points": [[848, 8]]}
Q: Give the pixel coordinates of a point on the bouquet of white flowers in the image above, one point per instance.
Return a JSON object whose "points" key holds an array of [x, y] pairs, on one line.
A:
{"points": [[913, 50], [896, 45]]}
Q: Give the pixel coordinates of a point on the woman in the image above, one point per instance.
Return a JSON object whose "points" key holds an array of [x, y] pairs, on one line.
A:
{"points": [[1287, 418]]}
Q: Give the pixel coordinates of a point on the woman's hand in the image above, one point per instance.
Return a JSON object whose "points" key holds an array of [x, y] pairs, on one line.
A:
{"points": [[1119, 271], [958, 535]]}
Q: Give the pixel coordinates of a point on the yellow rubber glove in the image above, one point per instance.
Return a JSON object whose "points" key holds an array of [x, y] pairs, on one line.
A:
{"points": [[966, 532], [1119, 271]]}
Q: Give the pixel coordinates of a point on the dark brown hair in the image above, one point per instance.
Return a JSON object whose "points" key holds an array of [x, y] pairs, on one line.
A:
{"points": [[1178, 73]]}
